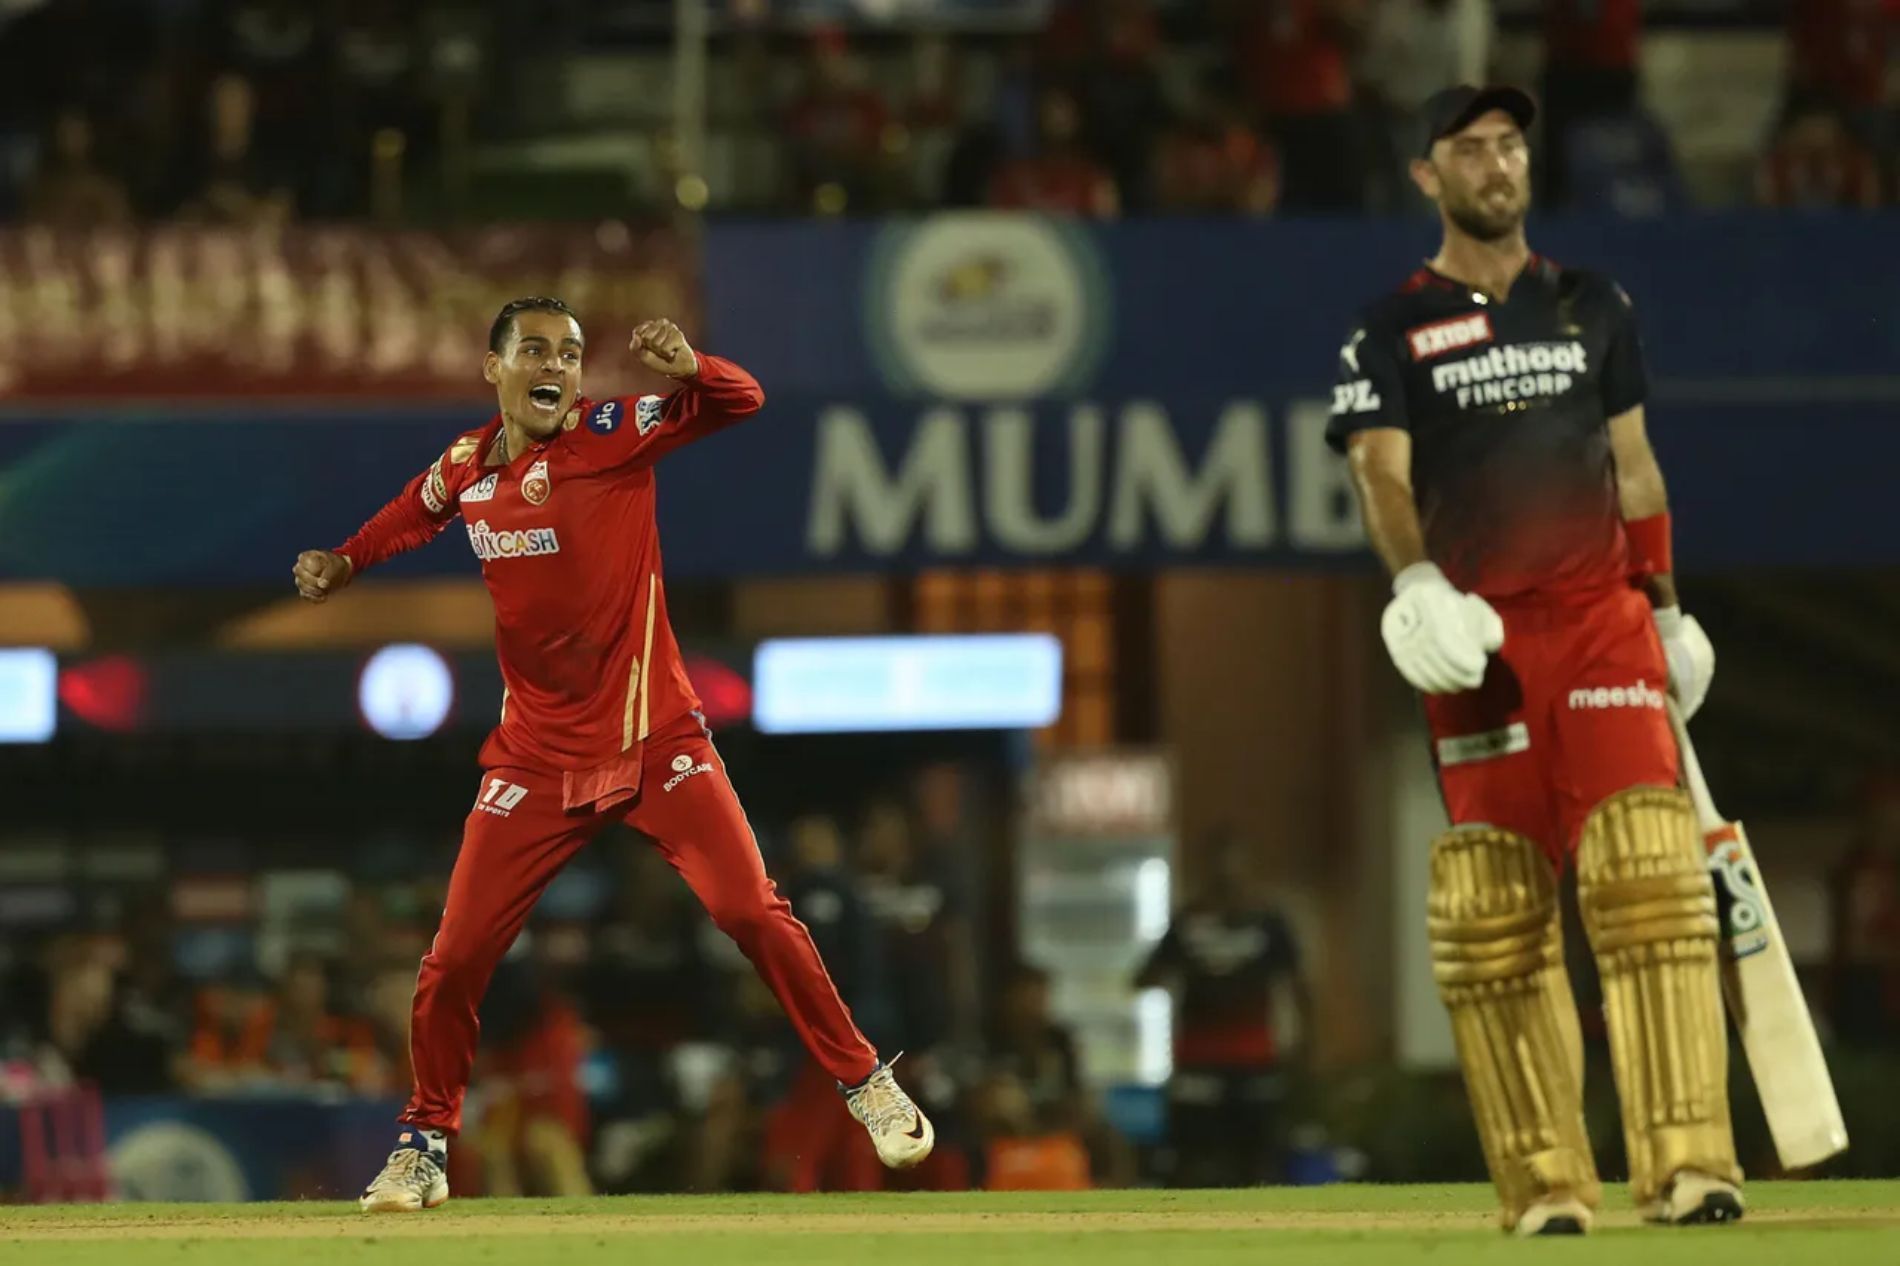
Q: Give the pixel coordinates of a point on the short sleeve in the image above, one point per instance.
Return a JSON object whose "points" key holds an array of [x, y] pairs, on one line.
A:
{"points": [[1625, 380], [1370, 391]]}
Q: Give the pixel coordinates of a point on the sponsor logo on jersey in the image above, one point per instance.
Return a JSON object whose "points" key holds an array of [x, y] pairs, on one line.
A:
{"points": [[682, 763], [1640, 694], [463, 449], [1355, 397], [1439, 337], [1462, 749], [572, 420], [535, 485], [647, 412], [435, 492], [490, 545], [482, 489], [1514, 372], [605, 417], [690, 771]]}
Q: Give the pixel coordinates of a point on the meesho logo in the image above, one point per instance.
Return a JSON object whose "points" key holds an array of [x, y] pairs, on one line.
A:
{"points": [[1639, 695], [511, 543], [1513, 372]]}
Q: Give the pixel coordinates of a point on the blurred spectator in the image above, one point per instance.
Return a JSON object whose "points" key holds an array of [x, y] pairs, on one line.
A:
{"points": [[249, 1036], [1105, 54], [1060, 177], [1212, 163], [837, 127], [1228, 957], [1864, 959], [648, 989], [282, 48], [1815, 161], [1294, 59], [1590, 56], [1034, 1093], [1623, 165], [1412, 49], [921, 905], [1840, 53], [379, 67], [531, 1126], [235, 184], [71, 190]]}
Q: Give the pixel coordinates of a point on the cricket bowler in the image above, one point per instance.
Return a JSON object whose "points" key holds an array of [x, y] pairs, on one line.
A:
{"points": [[1492, 412], [598, 721]]}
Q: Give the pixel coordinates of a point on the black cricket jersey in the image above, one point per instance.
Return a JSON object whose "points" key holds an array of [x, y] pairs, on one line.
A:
{"points": [[1507, 402]]}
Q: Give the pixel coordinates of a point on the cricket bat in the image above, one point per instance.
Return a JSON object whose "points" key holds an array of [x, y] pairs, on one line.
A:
{"points": [[1764, 997]]}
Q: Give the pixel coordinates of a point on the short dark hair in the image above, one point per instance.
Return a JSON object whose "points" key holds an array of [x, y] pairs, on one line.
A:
{"points": [[505, 319]]}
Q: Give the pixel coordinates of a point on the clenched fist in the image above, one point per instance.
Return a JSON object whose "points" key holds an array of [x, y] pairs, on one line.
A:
{"points": [[662, 347], [320, 573], [1440, 639]]}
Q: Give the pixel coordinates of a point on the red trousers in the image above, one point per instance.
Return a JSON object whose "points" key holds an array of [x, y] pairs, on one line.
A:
{"points": [[517, 838], [1570, 712]]}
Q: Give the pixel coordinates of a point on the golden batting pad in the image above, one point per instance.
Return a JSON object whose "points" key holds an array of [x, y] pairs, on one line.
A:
{"points": [[1649, 908], [1497, 953]]}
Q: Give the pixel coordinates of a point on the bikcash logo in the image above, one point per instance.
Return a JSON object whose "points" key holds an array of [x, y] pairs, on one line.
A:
{"points": [[1515, 372], [490, 545], [1639, 695]]}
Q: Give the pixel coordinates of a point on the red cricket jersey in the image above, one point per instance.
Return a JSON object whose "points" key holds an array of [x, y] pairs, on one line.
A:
{"points": [[570, 552]]}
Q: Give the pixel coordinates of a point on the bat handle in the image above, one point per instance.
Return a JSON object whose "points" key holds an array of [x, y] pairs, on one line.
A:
{"points": [[1692, 779]]}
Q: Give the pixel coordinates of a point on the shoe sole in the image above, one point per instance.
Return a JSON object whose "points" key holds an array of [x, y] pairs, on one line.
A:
{"points": [[388, 1206], [922, 1154]]}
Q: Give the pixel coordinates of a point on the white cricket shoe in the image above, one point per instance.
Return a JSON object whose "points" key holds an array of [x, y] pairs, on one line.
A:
{"points": [[414, 1178], [899, 1129], [1694, 1198], [1556, 1214]]}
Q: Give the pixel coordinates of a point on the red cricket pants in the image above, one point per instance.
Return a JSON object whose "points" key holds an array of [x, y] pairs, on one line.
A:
{"points": [[1570, 713], [517, 838]]}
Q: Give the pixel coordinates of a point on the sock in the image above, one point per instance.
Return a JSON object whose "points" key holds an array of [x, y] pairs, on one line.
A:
{"points": [[435, 1140]]}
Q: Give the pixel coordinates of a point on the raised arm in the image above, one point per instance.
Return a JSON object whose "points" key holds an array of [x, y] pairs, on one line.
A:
{"points": [[712, 394], [414, 517]]}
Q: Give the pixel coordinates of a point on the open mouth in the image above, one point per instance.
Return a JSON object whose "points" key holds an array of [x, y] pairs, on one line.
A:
{"points": [[546, 398]]}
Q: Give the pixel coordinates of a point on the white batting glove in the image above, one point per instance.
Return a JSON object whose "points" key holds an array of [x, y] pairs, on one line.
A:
{"points": [[1438, 638], [1690, 655]]}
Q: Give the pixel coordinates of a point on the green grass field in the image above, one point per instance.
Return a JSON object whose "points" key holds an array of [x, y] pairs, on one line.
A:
{"points": [[1826, 1223]]}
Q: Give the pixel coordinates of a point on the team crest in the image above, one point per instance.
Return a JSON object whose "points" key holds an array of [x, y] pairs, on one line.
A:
{"points": [[572, 420], [535, 485], [463, 449]]}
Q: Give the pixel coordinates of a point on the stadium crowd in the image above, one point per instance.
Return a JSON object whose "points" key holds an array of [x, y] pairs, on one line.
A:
{"points": [[251, 111]]}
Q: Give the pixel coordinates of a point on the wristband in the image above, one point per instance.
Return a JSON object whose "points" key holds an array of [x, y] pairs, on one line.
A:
{"points": [[1649, 539]]}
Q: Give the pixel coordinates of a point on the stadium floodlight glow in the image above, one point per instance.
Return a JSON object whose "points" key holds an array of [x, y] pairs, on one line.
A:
{"points": [[841, 685], [29, 694], [405, 691]]}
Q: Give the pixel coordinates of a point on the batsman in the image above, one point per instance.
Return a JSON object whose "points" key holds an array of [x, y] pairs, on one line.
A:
{"points": [[1491, 409]]}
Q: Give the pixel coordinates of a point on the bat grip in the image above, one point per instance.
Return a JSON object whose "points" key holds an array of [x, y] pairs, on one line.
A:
{"points": [[1692, 779]]}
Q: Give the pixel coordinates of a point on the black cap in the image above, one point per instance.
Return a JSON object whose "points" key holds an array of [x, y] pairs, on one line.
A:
{"points": [[1453, 109]]}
